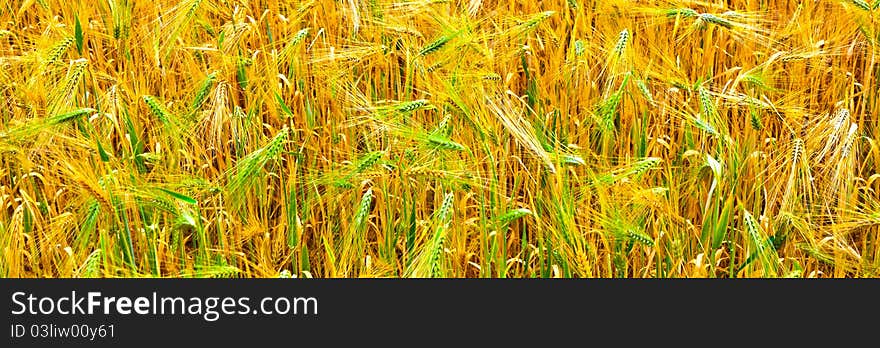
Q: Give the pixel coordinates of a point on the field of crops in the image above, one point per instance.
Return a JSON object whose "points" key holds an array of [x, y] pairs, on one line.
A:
{"points": [[432, 138]]}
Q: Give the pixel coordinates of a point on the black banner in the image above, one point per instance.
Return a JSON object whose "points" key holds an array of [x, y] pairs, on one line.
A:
{"points": [[329, 312]]}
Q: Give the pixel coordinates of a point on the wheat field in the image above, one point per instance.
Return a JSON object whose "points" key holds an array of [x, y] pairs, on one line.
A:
{"points": [[435, 138]]}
